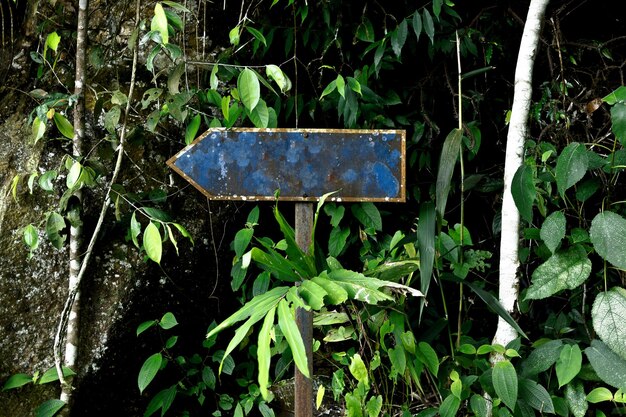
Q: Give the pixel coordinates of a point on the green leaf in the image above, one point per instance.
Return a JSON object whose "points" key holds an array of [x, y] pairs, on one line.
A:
{"points": [[257, 34], [16, 381], [312, 293], [449, 406], [536, 396], [46, 181], [358, 369], [374, 405], [337, 240], [417, 25], [609, 318], [359, 287], [609, 366], [494, 305], [429, 26], [287, 323], [49, 408], [341, 85], [64, 125], [542, 358], [159, 23], [38, 129], [615, 96], [524, 192], [242, 240], [234, 36], [71, 181], [145, 326], [31, 237], [264, 354], [54, 224], [192, 129], [368, 215], [112, 118], [398, 37], [571, 166], [332, 86], [274, 72], [553, 230], [599, 394], [149, 370], [427, 355], [569, 363], [478, 405], [249, 89], [52, 375], [152, 242], [260, 115], [447, 163], [618, 122], [335, 294], [135, 229], [426, 242], [576, 399], [505, 382], [52, 41], [566, 269], [608, 236], [168, 321]]}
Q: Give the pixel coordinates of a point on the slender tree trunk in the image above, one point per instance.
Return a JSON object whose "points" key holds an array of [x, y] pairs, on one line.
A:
{"points": [[518, 128], [76, 232]]}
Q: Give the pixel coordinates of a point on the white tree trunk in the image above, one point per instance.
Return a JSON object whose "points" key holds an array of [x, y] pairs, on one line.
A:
{"points": [[518, 128]]}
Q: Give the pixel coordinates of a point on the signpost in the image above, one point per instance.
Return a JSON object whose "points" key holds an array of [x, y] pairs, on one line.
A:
{"points": [[302, 164]]}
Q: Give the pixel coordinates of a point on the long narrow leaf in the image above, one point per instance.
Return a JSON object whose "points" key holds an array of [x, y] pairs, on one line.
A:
{"points": [[258, 302], [426, 243], [279, 266], [263, 353], [494, 305], [287, 323], [305, 263], [447, 163]]}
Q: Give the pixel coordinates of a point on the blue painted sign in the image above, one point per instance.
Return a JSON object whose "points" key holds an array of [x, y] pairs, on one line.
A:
{"points": [[302, 164]]}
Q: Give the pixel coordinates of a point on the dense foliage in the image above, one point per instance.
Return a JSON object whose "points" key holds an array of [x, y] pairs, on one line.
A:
{"points": [[403, 296]]}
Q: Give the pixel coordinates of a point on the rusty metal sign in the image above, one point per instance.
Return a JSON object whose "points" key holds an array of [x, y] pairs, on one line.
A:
{"points": [[301, 164]]}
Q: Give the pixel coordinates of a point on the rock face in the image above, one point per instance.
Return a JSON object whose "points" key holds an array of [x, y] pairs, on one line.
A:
{"points": [[121, 289]]}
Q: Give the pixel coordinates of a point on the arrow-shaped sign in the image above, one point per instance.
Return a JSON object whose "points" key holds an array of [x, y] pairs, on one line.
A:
{"points": [[302, 164]]}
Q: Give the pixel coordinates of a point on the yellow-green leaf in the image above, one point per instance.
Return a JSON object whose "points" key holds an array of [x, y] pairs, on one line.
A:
{"points": [[159, 23], [152, 242], [287, 323], [64, 125], [264, 354]]}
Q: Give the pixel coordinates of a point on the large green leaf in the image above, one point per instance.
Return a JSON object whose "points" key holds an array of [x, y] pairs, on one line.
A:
{"points": [[159, 23], [359, 287], [264, 354], [242, 240], [16, 381], [54, 224], [426, 243], [618, 121], [260, 115], [571, 166], [312, 293], [303, 262], [64, 125], [576, 399], [249, 89], [564, 270], [569, 363], [553, 230], [608, 235], [276, 264], [609, 319], [505, 382], [610, 367], [260, 302], [287, 323], [449, 406], [149, 370], [335, 293], [368, 215], [542, 358], [524, 192], [447, 163], [536, 396]]}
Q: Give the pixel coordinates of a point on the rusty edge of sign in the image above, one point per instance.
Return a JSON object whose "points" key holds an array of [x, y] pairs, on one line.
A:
{"points": [[171, 163]]}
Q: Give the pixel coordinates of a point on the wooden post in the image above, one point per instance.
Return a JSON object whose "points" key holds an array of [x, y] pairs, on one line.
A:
{"points": [[303, 386]]}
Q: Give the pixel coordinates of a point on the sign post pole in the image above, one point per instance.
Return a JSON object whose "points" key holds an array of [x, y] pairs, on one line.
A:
{"points": [[303, 386]]}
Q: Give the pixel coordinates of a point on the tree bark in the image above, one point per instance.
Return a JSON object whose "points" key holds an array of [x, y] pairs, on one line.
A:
{"points": [[518, 128]]}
